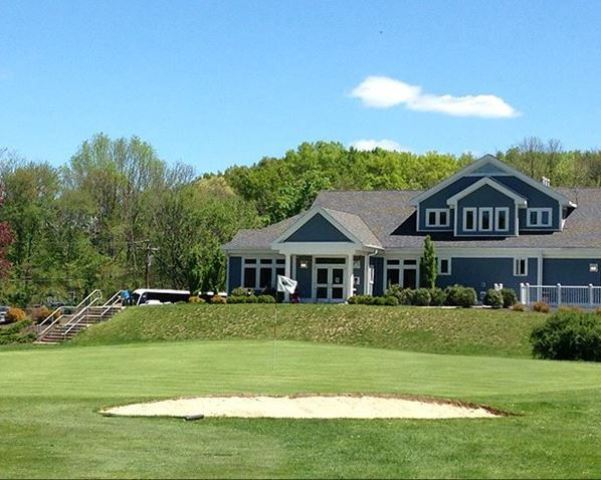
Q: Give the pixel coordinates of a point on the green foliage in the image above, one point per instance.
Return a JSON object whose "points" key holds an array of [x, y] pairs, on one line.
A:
{"points": [[391, 300], [195, 299], [568, 335], [493, 298], [510, 298], [242, 292], [380, 301], [428, 264], [18, 332], [438, 297], [459, 296], [265, 299], [218, 300], [361, 300], [422, 297]]}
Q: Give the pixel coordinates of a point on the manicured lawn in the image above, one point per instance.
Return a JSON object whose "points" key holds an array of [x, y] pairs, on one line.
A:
{"points": [[458, 331], [49, 426]]}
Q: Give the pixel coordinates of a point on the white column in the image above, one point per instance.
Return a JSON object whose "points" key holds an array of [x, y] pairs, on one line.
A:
{"points": [[349, 276], [366, 275], [287, 270]]}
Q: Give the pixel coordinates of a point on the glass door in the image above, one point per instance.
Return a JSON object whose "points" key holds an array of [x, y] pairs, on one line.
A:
{"points": [[329, 283]]}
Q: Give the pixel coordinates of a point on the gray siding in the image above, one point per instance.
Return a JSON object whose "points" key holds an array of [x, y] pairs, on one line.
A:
{"points": [[318, 229], [378, 264], [482, 273], [234, 273], [570, 271], [486, 196], [303, 277]]}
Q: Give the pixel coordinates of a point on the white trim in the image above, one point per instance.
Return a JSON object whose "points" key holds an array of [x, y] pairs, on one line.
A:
{"points": [[274, 265], [502, 252], [474, 211], [494, 161], [539, 216], [437, 213], [518, 200], [516, 263], [481, 212], [498, 210], [449, 264]]}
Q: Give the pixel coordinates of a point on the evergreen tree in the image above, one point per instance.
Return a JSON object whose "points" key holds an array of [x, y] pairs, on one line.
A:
{"points": [[428, 264]]}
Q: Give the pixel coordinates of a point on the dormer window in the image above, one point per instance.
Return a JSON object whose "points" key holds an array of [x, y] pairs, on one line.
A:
{"points": [[501, 219], [538, 217], [469, 219], [485, 219], [437, 217]]}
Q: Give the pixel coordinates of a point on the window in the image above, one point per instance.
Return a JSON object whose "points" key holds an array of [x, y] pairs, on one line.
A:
{"points": [[538, 217], [502, 219], [469, 219], [520, 267], [261, 273], [485, 219], [444, 266], [437, 217]]}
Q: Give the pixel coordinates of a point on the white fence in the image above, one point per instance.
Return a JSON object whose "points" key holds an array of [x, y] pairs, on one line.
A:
{"points": [[557, 295]]}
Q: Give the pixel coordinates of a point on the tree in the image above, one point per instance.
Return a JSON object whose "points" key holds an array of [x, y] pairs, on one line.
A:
{"points": [[5, 240], [428, 264]]}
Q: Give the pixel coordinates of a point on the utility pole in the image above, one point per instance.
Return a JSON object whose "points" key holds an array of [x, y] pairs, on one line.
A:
{"points": [[149, 250]]}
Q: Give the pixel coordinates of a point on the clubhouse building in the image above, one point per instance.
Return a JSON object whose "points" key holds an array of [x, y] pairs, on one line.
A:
{"points": [[491, 225]]}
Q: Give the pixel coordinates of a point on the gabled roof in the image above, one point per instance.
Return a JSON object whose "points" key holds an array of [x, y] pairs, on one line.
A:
{"points": [[518, 199], [348, 223], [489, 159]]}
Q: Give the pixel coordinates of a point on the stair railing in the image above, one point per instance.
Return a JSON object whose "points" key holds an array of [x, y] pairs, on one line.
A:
{"points": [[92, 297], [111, 302], [56, 314], [81, 314]]}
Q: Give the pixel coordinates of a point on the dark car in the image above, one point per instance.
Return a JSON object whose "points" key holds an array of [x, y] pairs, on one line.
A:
{"points": [[3, 310]]}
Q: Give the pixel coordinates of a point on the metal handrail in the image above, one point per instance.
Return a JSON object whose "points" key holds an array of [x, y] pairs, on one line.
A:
{"points": [[96, 293], [78, 317], [58, 309]]}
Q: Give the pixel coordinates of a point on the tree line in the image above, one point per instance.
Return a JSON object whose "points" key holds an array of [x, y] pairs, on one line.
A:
{"points": [[116, 215]]}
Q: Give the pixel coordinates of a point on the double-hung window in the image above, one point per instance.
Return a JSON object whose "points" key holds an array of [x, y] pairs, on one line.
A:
{"points": [[485, 219], [444, 266], [437, 217], [469, 219], [520, 267], [538, 217], [261, 273], [501, 219]]}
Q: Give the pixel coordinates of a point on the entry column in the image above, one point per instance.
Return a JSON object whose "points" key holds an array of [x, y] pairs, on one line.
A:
{"points": [[287, 273], [349, 276]]}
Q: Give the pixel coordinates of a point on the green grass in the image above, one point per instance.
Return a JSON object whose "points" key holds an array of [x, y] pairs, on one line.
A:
{"points": [[457, 331], [49, 425]]}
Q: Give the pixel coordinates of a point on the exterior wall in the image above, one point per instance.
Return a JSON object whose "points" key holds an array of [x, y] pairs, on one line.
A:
{"points": [[304, 277], [570, 271], [536, 199], [234, 266], [482, 273], [318, 229], [486, 196], [439, 200], [360, 274], [378, 264]]}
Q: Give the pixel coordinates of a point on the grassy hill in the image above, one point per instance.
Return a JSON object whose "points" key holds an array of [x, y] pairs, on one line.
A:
{"points": [[51, 429], [456, 331]]}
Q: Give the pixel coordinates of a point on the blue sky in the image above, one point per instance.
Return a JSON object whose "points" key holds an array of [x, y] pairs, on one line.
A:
{"points": [[220, 83]]}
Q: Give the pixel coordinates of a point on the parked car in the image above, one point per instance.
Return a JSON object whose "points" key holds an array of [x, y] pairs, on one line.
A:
{"points": [[3, 310]]}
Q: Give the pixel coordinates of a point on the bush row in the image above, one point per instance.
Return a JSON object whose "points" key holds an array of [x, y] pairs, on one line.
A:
{"points": [[455, 295]]}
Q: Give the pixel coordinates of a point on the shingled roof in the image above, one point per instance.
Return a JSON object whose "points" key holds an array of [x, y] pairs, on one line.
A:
{"points": [[391, 220]]}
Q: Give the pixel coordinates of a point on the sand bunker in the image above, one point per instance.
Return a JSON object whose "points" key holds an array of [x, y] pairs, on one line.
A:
{"points": [[301, 407]]}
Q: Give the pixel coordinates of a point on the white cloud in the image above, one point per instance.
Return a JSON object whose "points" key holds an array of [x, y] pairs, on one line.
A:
{"points": [[384, 144], [385, 92]]}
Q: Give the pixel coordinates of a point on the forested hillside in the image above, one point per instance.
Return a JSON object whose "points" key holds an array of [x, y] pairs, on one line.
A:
{"points": [[116, 215]]}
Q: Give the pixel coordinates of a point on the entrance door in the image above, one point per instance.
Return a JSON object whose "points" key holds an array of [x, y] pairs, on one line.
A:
{"points": [[329, 283], [410, 278]]}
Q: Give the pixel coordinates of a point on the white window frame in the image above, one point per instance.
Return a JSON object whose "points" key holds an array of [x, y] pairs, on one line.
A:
{"points": [[448, 260], [474, 211], [437, 212], [516, 263], [491, 219], [539, 217], [498, 210], [274, 265]]}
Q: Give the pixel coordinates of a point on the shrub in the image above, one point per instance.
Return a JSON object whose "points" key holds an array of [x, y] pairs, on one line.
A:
{"points": [[381, 301], [195, 299], [493, 298], [438, 297], [421, 297], [598, 311], [39, 314], [541, 307], [569, 308], [391, 300], [406, 296], [265, 299], [218, 300], [251, 299], [395, 290], [237, 299], [518, 307], [568, 335], [361, 300], [459, 296], [510, 298], [15, 314], [242, 292]]}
